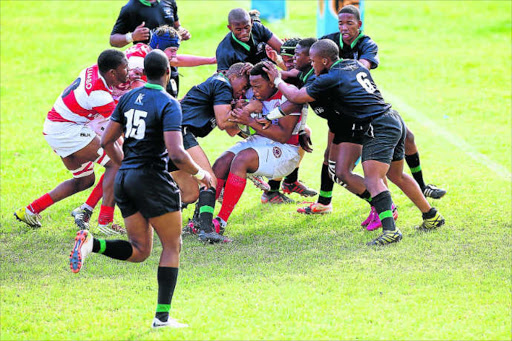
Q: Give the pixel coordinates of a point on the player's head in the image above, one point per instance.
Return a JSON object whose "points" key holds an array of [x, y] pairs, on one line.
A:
{"points": [[255, 16], [240, 24], [238, 79], [167, 39], [113, 66], [301, 58], [156, 66], [261, 85], [323, 54], [287, 52], [349, 23]]}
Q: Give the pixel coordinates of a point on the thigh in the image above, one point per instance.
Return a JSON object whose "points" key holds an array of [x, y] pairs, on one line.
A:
{"points": [[66, 138], [348, 153], [89, 153], [168, 227], [139, 231], [276, 160], [382, 139]]}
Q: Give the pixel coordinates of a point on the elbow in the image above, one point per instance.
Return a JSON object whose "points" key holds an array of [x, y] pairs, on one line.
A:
{"points": [[178, 158]]}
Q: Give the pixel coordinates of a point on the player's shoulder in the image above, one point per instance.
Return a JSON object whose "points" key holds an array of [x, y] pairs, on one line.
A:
{"points": [[259, 30], [367, 41], [332, 36]]}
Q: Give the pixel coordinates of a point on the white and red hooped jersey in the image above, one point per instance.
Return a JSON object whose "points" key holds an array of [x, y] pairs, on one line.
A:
{"points": [[85, 99], [135, 55], [274, 102]]}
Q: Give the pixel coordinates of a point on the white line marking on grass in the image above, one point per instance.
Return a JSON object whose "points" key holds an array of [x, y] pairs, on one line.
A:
{"points": [[455, 140]]}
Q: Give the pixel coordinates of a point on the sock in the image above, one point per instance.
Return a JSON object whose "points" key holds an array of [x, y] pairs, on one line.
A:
{"points": [[292, 177], [274, 185], [430, 214], [413, 161], [326, 186], [41, 204], [167, 278], [235, 186], [96, 194], [220, 186], [366, 196], [116, 249], [206, 206], [106, 215], [382, 203]]}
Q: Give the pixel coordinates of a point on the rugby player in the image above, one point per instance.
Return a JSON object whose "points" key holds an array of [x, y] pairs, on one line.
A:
{"points": [[146, 194], [348, 85], [67, 132]]}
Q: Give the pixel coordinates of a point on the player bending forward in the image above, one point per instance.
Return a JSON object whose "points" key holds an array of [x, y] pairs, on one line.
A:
{"points": [[146, 194]]}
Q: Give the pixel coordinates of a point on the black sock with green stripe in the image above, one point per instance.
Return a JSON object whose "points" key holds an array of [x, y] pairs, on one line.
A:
{"points": [[206, 206], [413, 161], [382, 203], [366, 196], [292, 177], [326, 186], [274, 185], [117, 249], [167, 278]]}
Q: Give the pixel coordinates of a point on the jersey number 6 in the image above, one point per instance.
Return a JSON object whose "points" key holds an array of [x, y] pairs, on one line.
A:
{"points": [[365, 82]]}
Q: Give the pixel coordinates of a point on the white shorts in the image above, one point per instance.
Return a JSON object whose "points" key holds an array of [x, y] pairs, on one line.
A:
{"points": [[67, 138], [275, 159], [98, 125]]}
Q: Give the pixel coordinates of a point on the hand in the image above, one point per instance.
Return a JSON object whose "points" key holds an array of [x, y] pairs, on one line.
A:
{"points": [[264, 122], [305, 141], [184, 33], [207, 180], [240, 116], [271, 53], [239, 103], [246, 70], [271, 71], [254, 106], [141, 33]]}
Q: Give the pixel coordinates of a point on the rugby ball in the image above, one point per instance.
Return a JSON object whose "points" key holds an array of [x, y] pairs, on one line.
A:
{"points": [[246, 130]]}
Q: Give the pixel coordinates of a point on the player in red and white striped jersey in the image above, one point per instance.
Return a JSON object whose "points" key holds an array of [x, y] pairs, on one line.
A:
{"points": [[66, 130]]}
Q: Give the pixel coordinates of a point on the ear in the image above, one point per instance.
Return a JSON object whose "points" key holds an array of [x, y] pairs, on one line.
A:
{"points": [[360, 23], [229, 27]]}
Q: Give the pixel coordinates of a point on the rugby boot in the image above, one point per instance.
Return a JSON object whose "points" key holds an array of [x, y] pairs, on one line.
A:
{"points": [[111, 229], [28, 217], [299, 188], [315, 208], [432, 223], [82, 248], [171, 323], [259, 182], [219, 225], [387, 237], [82, 217], [213, 237], [275, 198], [431, 191]]}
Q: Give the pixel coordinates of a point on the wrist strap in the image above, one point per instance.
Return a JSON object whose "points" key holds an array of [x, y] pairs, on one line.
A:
{"points": [[128, 37], [201, 173], [278, 81]]}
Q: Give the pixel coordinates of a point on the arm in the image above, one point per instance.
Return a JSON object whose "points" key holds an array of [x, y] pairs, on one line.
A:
{"points": [[184, 33], [222, 112], [275, 42], [182, 159], [187, 60], [111, 134], [140, 33], [293, 73], [289, 91]]}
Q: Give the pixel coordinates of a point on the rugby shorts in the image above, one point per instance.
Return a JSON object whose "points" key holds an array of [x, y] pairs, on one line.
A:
{"points": [[66, 138]]}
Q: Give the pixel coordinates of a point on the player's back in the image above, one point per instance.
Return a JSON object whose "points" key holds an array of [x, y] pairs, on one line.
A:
{"points": [[145, 113]]}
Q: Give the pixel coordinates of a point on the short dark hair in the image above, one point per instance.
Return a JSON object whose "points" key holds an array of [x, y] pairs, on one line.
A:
{"points": [[156, 63], [236, 69], [306, 43], [326, 48], [238, 15], [351, 9], [288, 47], [110, 59], [257, 70]]}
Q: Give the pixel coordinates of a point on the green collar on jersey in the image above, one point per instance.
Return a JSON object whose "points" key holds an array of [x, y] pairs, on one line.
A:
{"points": [[146, 2], [153, 86], [337, 62], [353, 43], [225, 77], [306, 76], [244, 45]]}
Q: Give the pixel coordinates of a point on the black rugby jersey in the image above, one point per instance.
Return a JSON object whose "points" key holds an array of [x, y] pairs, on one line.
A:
{"points": [[363, 47], [349, 88], [145, 114], [197, 105], [231, 50]]}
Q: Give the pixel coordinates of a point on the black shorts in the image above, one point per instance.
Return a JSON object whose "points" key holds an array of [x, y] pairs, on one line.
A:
{"points": [[345, 130], [385, 140], [189, 141], [151, 192]]}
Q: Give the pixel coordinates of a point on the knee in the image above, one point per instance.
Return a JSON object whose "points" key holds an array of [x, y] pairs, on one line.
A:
{"points": [[371, 182], [84, 183], [343, 173], [409, 137], [141, 253]]}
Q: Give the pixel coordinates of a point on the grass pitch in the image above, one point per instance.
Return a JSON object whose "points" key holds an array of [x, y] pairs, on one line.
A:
{"points": [[445, 66]]}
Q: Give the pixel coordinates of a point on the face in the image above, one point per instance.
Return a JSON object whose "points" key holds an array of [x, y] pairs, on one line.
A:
{"points": [[288, 62], [349, 27], [241, 30], [318, 63], [239, 85], [135, 73], [120, 74], [261, 87], [301, 58], [171, 52]]}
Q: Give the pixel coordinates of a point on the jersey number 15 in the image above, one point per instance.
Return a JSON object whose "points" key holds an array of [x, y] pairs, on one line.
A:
{"points": [[135, 124]]}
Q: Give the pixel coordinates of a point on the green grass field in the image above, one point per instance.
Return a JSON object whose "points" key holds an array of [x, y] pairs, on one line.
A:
{"points": [[445, 65]]}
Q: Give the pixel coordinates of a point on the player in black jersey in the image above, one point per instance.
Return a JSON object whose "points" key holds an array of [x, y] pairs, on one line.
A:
{"points": [[205, 107], [144, 191], [353, 44], [245, 42], [349, 87]]}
